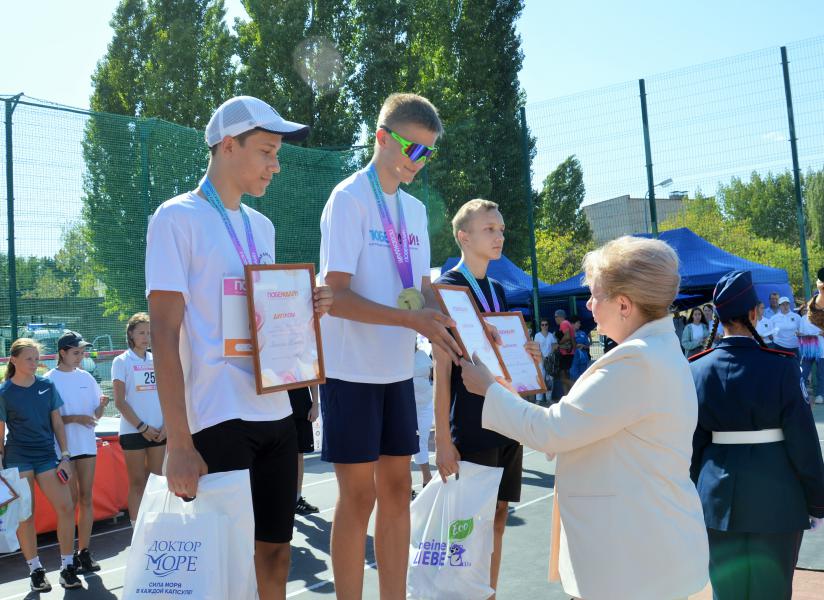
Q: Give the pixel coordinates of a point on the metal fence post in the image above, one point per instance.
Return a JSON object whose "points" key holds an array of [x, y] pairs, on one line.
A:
{"points": [[11, 104], [799, 203], [536, 309], [653, 213]]}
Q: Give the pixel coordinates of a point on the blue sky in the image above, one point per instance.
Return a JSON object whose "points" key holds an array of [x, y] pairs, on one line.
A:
{"points": [[581, 66]]}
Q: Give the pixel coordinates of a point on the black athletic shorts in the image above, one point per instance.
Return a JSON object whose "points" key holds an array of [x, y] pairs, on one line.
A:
{"points": [[269, 450], [136, 441], [301, 401], [565, 361], [510, 457]]}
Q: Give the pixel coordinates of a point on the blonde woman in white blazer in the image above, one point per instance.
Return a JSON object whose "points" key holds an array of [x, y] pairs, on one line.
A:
{"points": [[631, 523]]}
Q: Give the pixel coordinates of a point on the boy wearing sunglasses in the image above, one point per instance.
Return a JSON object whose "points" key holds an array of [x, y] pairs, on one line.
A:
{"points": [[374, 254]]}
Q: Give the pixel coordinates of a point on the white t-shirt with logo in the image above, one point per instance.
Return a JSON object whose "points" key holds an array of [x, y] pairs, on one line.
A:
{"points": [[188, 250], [81, 396], [138, 377], [353, 241]]}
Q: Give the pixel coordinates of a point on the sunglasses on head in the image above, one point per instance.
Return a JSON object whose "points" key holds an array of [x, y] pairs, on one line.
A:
{"points": [[415, 152]]}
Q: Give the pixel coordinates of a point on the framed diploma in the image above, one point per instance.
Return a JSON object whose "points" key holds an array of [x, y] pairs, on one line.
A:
{"points": [[286, 344], [524, 374], [470, 332]]}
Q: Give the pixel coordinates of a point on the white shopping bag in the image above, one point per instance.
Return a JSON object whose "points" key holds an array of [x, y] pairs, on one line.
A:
{"points": [[15, 511], [451, 538], [188, 548]]}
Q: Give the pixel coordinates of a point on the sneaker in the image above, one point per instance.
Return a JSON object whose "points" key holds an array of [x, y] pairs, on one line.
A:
{"points": [[69, 579], [304, 508], [84, 562], [819, 399], [39, 583]]}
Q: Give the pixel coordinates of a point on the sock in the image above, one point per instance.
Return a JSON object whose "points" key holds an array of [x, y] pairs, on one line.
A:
{"points": [[132, 522], [34, 564], [66, 560]]}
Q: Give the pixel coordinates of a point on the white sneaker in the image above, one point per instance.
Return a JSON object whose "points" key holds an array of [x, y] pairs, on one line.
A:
{"points": [[819, 399]]}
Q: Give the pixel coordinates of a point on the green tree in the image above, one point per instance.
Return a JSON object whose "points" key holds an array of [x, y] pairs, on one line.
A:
{"points": [[814, 196], [167, 60], [559, 203], [559, 254], [73, 262], [767, 203], [704, 217], [297, 55]]}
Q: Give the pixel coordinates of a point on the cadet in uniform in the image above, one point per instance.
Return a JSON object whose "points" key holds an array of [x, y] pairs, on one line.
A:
{"points": [[756, 458]]}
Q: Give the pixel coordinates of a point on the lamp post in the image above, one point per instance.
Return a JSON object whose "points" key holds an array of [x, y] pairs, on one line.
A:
{"points": [[663, 184]]}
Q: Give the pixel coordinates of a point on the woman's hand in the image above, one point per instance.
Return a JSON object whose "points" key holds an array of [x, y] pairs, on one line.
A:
{"points": [[87, 421], [150, 433], [476, 377]]}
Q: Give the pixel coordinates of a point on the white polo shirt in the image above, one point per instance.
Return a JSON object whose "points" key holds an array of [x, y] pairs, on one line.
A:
{"points": [[785, 327], [189, 251], [353, 241]]}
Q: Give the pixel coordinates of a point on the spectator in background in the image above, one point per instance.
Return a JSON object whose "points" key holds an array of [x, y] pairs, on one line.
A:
{"points": [[546, 342], [679, 323], [582, 357], [763, 326], [811, 347], [717, 333], [785, 328], [695, 332], [566, 348], [772, 309]]}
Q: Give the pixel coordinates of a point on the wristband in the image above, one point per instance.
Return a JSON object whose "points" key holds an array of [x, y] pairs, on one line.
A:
{"points": [[139, 425], [145, 429]]}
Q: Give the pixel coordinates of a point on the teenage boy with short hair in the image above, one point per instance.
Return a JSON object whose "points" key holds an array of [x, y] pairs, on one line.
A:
{"points": [[478, 228], [374, 254], [215, 420]]}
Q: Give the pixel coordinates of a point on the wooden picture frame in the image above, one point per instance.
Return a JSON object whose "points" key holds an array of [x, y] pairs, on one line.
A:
{"points": [[518, 320], [439, 288], [287, 354]]}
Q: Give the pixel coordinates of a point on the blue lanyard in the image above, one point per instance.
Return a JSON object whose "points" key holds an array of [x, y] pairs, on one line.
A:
{"points": [[473, 283], [214, 199]]}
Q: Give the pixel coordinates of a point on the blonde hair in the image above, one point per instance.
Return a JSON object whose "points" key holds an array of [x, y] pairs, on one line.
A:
{"points": [[398, 109], [465, 213], [643, 270], [16, 349], [135, 320]]}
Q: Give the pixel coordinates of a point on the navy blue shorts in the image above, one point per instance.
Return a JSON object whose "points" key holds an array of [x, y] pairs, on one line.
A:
{"points": [[362, 421]]}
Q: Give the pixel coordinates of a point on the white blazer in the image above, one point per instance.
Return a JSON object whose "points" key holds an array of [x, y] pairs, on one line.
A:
{"points": [[632, 526]]}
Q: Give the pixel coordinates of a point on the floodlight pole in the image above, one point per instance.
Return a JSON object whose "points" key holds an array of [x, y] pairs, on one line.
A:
{"points": [[536, 309], [11, 104], [653, 213]]}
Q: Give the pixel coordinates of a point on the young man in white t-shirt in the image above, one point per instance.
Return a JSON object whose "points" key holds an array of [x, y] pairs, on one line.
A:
{"points": [[197, 245], [546, 341], [374, 254]]}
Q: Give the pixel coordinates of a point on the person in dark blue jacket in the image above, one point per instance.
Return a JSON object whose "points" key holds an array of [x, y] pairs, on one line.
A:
{"points": [[756, 459]]}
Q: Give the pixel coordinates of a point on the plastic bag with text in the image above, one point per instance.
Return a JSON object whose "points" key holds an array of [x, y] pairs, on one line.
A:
{"points": [[188, 548], [451, 537]]}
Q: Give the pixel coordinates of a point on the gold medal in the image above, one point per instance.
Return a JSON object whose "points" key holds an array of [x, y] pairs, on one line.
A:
{"points": [[410, 299]]}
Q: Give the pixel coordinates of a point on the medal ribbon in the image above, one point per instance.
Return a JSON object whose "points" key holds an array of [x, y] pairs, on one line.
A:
{"points": [[214, 199], [399, 248], [473, 283]]}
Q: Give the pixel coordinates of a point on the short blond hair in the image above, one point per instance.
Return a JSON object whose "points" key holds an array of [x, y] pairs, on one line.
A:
{"points": [[135, 320], [465, 213], [643, 270], [398, 109], [16, 349]]}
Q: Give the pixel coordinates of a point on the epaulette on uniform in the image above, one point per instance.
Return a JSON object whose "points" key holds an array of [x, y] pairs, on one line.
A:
{"points": [[774, 351], [695, 357]]}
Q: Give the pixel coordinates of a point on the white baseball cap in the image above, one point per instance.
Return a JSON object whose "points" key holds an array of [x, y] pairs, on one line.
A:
{"points": [[783, 299], [244, 113]]}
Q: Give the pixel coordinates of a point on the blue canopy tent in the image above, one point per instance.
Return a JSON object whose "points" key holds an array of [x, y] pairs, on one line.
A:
{"points": [[702, 265]]}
